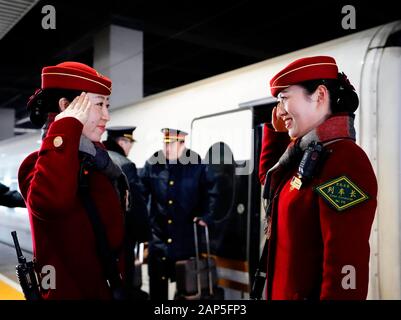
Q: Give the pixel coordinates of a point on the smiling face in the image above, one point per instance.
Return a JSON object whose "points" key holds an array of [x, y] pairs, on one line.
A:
{"points": [[301, 112], [98, 117]]}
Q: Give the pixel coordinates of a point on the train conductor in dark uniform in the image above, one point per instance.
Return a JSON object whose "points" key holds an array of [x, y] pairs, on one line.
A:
{"points": [[174, 181], [119, 143], [120, 140]]}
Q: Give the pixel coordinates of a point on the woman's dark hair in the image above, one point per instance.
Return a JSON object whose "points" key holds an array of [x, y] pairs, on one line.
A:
{"points": [[343, 97], [46, 101]]}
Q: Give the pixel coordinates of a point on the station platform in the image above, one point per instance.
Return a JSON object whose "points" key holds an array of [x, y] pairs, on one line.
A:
{"points": [[17, 219], [9, 286]]}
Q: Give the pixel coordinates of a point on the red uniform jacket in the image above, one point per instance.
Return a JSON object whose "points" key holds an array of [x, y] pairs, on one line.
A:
{"points": [[61, 231], [313, 245]]}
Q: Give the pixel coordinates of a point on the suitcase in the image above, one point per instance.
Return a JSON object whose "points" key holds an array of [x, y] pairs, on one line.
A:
{"points": [[196, 277]]}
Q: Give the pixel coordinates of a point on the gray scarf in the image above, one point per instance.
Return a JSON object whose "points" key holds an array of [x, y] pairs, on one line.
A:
{"points": [[99, 158], [336, 127]]}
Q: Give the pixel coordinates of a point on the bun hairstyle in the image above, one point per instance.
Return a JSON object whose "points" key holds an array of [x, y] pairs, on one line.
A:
{"points": [[46, 101], [343, 97]]}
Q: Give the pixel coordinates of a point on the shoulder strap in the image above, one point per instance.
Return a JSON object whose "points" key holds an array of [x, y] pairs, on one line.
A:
{"points": [[259, 280], [106, 256]]}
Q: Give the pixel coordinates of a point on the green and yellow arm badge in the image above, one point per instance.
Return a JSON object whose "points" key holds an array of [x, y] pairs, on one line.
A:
{"points": [[341, 193]]}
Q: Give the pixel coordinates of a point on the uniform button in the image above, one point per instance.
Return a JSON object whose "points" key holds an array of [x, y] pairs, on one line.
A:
{"points": [[170, 202], [170, 221], [164, 258], [57, 141], [171, 182], [163, 278], [169, 240]]}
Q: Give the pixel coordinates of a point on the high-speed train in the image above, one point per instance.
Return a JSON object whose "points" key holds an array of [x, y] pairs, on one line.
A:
{"points": [[232, 108]]}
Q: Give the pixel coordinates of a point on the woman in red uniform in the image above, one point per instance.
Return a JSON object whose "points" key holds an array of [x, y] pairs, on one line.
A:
{"points": [[320, 186], [56, 187]]}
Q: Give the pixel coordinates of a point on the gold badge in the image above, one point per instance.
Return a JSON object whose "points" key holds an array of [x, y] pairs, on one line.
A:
{"points": [[296, 183], [57, 141], [341, 193]]}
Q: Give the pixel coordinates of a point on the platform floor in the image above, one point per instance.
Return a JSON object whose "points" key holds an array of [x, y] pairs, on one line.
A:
{"points": [[9, 286]]}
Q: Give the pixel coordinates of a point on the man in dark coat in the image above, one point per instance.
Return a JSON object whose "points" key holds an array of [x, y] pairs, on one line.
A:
{"points": [[119, 143], [175, 181]]}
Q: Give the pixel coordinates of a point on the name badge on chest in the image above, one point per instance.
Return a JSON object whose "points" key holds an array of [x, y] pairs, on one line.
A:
{"points": [[296, 183], [308, 164]]}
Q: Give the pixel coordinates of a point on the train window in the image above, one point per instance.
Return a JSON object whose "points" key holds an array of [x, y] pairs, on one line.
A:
{"points": [[229, 236], [233, 128]]}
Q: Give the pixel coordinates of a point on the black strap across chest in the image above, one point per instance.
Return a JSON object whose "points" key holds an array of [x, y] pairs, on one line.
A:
{"points": [[107, 257]]}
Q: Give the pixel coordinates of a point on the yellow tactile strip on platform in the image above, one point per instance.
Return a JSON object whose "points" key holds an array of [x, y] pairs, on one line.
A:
{"points": [[9, 290]]}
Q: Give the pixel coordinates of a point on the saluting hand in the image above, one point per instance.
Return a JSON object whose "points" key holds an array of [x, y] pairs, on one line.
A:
{"points": [[278, 123], [78, 109]]}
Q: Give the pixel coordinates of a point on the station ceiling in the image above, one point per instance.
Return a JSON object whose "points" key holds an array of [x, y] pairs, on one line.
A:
{"points": [[184, 41]]}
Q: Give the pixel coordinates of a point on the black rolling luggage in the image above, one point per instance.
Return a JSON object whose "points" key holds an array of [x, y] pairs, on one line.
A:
{"points": [[196, 278]]}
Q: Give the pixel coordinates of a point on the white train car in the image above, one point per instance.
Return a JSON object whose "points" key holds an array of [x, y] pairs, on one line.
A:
{"points": [[232, 107]]}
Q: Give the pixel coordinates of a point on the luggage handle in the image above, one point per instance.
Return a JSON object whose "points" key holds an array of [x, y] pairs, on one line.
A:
{"points": [[197, 259], [139, 251]]}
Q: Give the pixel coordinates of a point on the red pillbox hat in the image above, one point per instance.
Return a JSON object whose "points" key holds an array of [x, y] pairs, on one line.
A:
{"points": [[75, 76], [310, 68]]}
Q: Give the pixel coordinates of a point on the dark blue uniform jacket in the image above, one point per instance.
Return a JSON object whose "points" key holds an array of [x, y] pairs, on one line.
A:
{"points": [[177, 192]]}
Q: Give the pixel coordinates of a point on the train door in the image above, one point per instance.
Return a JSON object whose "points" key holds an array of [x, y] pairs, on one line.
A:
{"points": [[236, 236], [261, 113]]}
